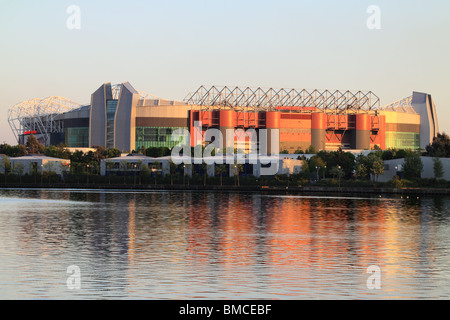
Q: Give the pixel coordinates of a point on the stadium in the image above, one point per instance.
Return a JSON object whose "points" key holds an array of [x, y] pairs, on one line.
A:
{"points": [[122, 117]]}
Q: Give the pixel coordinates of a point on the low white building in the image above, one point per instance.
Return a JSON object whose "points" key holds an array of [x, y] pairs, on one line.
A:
{"points": [[129, 163], [263, 165], [395, 166], [36, 163], [2, 163]]}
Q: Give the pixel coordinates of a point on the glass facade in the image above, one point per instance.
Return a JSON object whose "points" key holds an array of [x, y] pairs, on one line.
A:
{"points": [[77, 137], [402, 140], [156, 137], [111, 106]]}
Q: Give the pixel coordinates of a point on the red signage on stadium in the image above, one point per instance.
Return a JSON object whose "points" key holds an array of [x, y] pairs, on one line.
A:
{"points": [[30, 132]]}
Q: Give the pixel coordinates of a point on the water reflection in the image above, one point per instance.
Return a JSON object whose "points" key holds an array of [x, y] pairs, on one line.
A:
{"points": [[220, 245]]}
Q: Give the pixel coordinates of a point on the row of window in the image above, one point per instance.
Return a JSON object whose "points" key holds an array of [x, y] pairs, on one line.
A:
{"points": [[147, 137], [77, 137], [162, 137], [247, 169], [403, 140]]}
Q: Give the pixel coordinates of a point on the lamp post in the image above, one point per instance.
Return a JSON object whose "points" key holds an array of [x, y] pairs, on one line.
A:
{"points": [[42, 174], [184, 175], [324, 170], [317, 173], [87, 174], [67, 173], [339, 174]]}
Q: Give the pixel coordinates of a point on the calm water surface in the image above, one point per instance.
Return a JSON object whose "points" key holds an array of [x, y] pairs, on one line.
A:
{"points": [[182, 245]]}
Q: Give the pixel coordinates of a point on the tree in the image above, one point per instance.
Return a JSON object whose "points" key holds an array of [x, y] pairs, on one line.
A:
{"points": [[374, 164], [316, 163], [33, 145], [346, 160], [156, 152], [377, 168], [59, 151], [13, 151], [237, 169], [123, 169], [376, 147], [204, 168], [361, 171], [338, 173], [311, 150], [401, 154], [305, 173], [112, 153], [51, 151], [142, 169], [188, 169], [49, 169], [438, 168], [219, 169], [173, 170], [388, 154], [77, 163], [440, 147], [412, 167], [155, 170], [18, 169], [109, 166], [362, 167], [5, 164]]}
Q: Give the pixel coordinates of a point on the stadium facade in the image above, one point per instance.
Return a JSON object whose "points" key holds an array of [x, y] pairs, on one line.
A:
{"points": [[122, 117]]}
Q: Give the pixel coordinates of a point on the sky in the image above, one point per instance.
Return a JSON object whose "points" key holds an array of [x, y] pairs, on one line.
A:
{"points": [[170, 48]]}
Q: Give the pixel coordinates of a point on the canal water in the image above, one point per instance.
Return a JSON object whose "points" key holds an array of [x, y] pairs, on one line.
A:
{"points": [[105, 244]]}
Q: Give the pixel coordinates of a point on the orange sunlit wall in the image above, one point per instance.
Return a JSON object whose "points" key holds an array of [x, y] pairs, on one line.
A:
{"points": [[295, 127], [295, 131], [378, 135]]}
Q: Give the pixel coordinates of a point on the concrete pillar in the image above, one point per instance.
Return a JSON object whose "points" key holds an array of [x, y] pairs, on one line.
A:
{"points": [[226, 122], [318, 127], [273, 119], [361, 137]]}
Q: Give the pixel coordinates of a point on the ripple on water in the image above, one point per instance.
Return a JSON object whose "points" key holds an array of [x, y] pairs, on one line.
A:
{"points": [[179, 245]]}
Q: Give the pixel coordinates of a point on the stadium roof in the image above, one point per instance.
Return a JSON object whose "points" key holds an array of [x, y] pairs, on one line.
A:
{"points": [[39, 115], [403, 106], [260, 99]]}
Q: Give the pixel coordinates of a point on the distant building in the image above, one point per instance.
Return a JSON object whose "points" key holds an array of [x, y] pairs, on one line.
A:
{"points": [[135, 163], [122, 117], [2, 163], [395, 167], [40, 163]]}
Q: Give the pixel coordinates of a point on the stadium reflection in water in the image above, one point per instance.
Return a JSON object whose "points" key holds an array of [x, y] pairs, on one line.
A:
{"points": [[221, 245]]}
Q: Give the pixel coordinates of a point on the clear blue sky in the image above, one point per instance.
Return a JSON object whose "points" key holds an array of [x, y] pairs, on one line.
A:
{"points": [[169, 48]]}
